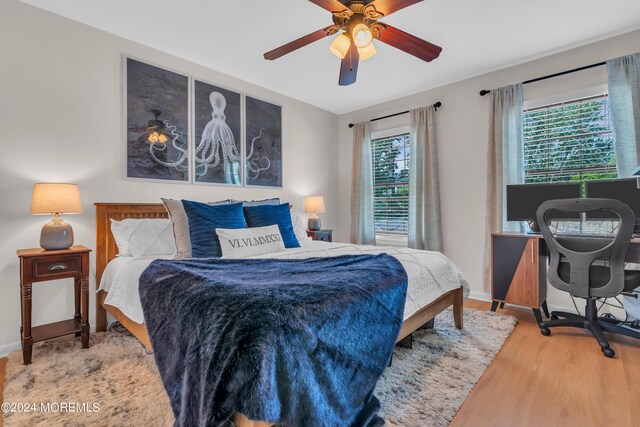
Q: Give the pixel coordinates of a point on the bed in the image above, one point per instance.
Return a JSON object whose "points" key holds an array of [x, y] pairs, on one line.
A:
{"points": [[416, 313]]}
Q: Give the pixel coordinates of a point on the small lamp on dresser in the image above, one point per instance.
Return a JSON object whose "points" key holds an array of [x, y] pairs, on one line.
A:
{"points": [[55, 199], [314, 206]]}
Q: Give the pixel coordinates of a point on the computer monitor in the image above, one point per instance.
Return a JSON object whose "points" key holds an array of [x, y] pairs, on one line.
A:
{"points": [[627, 190], [523, 201]]}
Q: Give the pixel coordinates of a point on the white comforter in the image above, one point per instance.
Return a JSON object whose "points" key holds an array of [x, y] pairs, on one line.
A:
{"points": [[431, 274]]}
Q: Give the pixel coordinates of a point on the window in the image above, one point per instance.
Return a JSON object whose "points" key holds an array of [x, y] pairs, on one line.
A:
{"points": [[391, 184], [571, 141]]}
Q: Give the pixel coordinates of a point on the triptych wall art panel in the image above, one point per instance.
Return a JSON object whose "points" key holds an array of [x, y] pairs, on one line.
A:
{"points": [[218, 121], [181, 129], [151, 90], [264, 143]]}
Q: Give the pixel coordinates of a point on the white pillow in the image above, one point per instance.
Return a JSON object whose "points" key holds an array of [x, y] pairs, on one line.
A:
{"points": [[143, 237], [300, 221], [246, 242]]}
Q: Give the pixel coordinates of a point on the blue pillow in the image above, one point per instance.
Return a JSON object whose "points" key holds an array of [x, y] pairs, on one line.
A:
{"points": [[261, 216], [274, 201], [203, 221]]}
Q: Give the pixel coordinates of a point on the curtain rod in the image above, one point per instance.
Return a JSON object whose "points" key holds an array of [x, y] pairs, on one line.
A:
{"points": [[436, 105], [483, 92]]}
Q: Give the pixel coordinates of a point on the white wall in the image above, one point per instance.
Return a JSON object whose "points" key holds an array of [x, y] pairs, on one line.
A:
{"points": [[463, 135], [60, 121]]}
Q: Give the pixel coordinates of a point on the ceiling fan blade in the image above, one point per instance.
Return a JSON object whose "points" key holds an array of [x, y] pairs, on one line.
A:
{"points": [[387, 7], [296, 44], [349, 67], [330, 5], [409, 43]]}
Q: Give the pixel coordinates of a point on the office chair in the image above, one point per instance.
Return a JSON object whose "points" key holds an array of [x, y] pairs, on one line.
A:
{"points": [[572, 268]]}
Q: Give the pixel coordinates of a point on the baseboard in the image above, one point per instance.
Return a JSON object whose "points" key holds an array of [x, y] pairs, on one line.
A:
{"points": [[8, 348], [484, 296], [480, 296]]}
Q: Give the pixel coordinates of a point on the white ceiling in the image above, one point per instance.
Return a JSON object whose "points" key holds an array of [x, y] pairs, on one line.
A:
{"points": [[231, 36]]}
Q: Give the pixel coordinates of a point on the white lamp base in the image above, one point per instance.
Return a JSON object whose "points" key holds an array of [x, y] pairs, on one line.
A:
{"points": [[56, 235]]}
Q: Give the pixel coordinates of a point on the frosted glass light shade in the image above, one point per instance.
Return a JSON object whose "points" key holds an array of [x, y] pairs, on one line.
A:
{"points": [[55, 199], [367, 52], [362, 36], [157, 137], [340, 46], [314, 204]]}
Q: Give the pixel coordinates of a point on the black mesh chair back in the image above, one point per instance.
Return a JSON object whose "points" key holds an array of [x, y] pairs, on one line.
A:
{"points": [[580, 253]]}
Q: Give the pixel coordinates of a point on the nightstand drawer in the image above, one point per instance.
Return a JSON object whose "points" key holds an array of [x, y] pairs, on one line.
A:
{"points": [[322, 235], [48, 267]]}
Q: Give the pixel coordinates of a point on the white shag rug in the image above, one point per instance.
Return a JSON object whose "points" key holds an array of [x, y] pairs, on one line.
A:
{"points": [[425, 386]]}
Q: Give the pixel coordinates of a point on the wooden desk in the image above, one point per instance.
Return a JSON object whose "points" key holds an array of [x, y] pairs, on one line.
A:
{"points": [[519, 263]]}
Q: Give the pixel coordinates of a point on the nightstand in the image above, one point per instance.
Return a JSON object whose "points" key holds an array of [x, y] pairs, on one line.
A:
{"points": [[324, 235], [39, 265]]}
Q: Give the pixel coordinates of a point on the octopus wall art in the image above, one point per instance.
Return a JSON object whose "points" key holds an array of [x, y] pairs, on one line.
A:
{"points": [[162, 149], [217, 151]]}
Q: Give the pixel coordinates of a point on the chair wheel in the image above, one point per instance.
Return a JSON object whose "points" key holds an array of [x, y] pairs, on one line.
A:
{"points": [[608, 352], [545, 331]]}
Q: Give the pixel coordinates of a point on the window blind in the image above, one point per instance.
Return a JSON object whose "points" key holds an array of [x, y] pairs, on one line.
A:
{"points": [[571, 141], [391, 184]]}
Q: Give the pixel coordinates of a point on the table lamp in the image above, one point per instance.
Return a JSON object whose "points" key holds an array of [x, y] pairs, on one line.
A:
{"points": [[314, 205], [56, 199]]}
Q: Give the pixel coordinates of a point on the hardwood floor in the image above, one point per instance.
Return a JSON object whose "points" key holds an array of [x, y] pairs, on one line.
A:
{"points": [[562, 380]]}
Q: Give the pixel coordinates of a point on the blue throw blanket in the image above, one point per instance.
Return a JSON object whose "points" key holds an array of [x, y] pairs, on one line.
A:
{"points": [[297, 342]]}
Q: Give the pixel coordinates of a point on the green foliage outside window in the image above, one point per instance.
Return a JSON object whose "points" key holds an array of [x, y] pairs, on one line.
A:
{"points": [[571, 142], [391, 184]]}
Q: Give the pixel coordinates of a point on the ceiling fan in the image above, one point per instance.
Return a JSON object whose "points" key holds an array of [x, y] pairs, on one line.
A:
{"points": [[357, 23]]}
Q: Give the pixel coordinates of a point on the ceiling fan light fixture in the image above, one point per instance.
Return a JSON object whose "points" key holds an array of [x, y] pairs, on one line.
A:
{"points": [[340, 46], [355, 25], [362, 36], [367, 52]]}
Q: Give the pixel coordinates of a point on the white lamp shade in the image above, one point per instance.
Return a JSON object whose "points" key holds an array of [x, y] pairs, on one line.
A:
{"points": [[340, 46], [55, 198], [314, 204], [367, 52], [362, 35]]}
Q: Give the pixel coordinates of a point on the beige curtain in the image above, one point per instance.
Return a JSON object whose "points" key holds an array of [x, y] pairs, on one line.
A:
{"points": [[624, 101], [425, 228], [362, 222], [505, 163]]}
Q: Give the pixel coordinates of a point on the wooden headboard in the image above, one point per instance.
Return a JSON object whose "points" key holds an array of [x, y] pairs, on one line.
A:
{"points": [[106, 248]]}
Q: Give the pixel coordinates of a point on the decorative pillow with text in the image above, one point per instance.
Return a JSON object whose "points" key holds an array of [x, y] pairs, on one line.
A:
{"points": [[247, 242]]}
